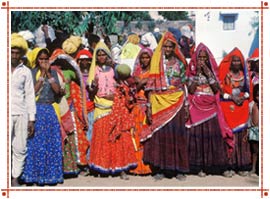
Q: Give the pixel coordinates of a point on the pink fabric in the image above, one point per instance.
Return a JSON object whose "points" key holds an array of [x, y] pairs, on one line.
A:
{"points": [[106, 82], [208, 104], [201, 108]]}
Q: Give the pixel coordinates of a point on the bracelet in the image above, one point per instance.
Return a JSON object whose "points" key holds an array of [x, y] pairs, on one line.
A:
{"points": [[51, 80], [148, 104], [211, 80], [246, 95], [226, 96], [41, 79]]}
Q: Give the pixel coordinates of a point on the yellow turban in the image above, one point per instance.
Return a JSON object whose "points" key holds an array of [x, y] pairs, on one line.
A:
{"points": [[17, 41], [72, 44], [134, 38]]}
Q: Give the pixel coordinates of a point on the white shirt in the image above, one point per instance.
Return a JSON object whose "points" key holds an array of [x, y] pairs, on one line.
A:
{"points": [[22, 92]]}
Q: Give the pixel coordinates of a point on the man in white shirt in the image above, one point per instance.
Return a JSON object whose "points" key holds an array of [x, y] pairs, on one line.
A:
{"points": [[23, 107]]}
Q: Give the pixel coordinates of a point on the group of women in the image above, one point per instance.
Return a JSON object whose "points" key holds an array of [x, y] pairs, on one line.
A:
{"points": [[162, 116]]}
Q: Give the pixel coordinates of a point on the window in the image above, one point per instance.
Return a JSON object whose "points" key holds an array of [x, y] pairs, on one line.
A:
{"points": [[228, 22]]}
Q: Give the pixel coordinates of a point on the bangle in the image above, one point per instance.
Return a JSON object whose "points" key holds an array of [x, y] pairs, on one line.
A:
{"points": [[51, 80], [148, 104], [211, 80], [41, 79], [226, 96], [246, 95]]}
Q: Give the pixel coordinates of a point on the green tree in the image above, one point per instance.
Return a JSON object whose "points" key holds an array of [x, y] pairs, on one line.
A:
{"points": [[174, 15], [74, 22]]}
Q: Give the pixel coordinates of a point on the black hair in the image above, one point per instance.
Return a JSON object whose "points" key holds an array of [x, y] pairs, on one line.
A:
{"points": [[255, 93]]}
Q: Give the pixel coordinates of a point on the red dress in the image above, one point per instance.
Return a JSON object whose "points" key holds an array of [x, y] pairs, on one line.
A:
{"points": [[112, 148]]}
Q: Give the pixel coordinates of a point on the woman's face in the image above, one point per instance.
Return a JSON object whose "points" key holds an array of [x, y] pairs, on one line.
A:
{"points": [[236, 64], [145, 60], [101, 57], [203, 56], [168, 47], [43, 59]]}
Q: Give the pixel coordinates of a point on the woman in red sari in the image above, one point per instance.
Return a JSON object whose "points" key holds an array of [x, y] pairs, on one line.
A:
{"points": [[165, 141], [207, 129], [141, 74], [233, 76]]}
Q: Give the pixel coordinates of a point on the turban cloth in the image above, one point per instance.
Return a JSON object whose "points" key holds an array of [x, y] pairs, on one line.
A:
{"points": [[71, 44], [17, 41]]}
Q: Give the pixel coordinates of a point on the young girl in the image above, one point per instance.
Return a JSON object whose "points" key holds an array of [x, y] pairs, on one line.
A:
{"points": [[254, 129]]}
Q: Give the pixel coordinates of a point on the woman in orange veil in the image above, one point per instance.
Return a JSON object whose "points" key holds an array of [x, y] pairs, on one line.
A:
{"points": [[233, 76]]}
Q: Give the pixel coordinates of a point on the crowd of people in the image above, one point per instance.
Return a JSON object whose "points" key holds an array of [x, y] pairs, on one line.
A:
{"points": [[137, 107]]}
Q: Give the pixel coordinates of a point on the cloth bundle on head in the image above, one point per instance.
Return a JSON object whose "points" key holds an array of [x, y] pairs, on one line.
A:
{"points": [[186, 31], [133, 38], [17, 41], [72, 44], [148, 39], [123, 71], [84, 54], [27, 35]]}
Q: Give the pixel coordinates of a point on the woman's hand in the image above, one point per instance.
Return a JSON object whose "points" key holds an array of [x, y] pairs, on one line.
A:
{"points": [[149, 119], [186, 107]]}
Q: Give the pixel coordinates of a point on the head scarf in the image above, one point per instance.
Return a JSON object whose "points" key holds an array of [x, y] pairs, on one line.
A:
{"points": [[55, 54], [32, 56], [100, 46], [72, 44], [137, 68], [225, 64], [17, 41], [192, 68], [157, 76], [255, 55], [84, 54]]}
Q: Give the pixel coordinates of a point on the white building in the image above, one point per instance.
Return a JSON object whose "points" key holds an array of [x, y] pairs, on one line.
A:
{"points": [[222, 30]]}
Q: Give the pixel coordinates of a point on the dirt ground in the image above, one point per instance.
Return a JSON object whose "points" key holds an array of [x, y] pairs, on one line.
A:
{"points": [[149, 182]]}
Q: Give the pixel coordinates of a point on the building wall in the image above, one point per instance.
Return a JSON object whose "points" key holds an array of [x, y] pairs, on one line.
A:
{"points": [[209, 30]]}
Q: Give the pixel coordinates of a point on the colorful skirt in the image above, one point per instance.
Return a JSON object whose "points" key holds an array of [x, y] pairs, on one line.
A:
{"points": [[207, 149], [167, 149], [241, 159], [44, 151], [139, 115], [110, 157]]}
